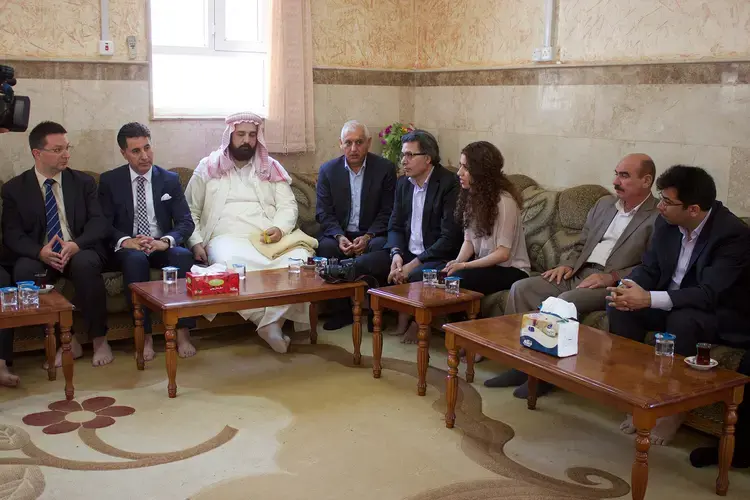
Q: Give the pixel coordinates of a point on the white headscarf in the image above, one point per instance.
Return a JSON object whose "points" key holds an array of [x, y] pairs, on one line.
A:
{"points": [[219, 163]]}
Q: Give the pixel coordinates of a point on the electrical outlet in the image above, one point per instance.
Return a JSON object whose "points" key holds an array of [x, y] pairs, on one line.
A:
{"points": [[106, 47], [536, 56], [548, 54], [132, 53]]}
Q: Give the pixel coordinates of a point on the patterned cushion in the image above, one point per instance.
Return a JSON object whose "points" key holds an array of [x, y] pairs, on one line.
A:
{"points": [[575, 203]]}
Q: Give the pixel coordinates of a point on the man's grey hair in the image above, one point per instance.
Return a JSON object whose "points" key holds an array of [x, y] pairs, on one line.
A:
{"points": [[353, 125]]}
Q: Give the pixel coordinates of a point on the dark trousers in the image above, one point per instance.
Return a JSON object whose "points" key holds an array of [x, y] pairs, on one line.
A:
{"points": [[6, 335], [689, 326], [378, 264], [85, 271], [488, 280], [328, 247], [136, 268]]}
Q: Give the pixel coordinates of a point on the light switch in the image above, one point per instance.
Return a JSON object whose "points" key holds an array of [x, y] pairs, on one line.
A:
{"points": [[132, 53], [106, 47]]}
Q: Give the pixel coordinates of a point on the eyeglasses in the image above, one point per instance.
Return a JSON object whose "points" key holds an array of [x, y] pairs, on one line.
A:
{"points": [[668, 202], [408, 156], [58, 150]]}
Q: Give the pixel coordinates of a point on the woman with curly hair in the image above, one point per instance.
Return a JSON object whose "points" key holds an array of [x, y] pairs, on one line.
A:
{"points": [[493, 255]]}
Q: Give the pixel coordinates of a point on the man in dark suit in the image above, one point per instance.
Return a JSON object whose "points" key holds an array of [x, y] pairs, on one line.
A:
{"points": [[422, 231], [354, 203], [150, 221], [52, 223], [693, 282]]}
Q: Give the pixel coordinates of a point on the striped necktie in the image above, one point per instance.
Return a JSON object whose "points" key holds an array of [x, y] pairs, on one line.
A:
{"points": [[53, 218], [141, 211]]}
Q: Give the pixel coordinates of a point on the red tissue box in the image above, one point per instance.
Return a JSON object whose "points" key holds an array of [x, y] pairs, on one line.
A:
{"points": [[212, 284]]}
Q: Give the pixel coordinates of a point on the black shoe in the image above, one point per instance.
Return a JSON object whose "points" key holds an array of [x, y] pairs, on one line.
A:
{"points": [[511, 378], [704, 457], [339, 321], [542, 388]]}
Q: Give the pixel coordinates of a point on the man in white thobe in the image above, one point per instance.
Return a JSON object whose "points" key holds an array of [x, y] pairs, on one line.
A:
{"points": [[236, 193]]}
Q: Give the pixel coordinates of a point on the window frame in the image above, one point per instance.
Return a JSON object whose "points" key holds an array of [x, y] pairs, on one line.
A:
{"points": [[216, 47]]}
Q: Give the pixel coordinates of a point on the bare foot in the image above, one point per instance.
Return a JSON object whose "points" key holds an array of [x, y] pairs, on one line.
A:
{"points": [[75, 349], [7, 378], [102, 352], [185, 348], [410, 336], [404, 320], [148, 348], [666, 428], [271, 333], [462, 356], [627, 426]]}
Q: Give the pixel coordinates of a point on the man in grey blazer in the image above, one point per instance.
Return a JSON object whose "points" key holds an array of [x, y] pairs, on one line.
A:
{"points": [[617, 232]]}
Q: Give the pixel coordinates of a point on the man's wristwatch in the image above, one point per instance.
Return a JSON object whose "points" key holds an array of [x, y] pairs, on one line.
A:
{"points": [[167, 241], [394, 252]]}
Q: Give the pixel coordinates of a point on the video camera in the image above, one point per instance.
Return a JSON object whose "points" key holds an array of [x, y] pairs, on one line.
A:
{"points": [[14, 109], [339, 271]]}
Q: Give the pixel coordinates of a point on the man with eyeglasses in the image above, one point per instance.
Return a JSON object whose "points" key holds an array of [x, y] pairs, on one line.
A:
{"points": [[354, 203], [422, 232], [693, 282], [52, 223]]}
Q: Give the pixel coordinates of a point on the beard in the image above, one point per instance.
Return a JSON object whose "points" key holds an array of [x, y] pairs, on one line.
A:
{"points": [[242, 153]]}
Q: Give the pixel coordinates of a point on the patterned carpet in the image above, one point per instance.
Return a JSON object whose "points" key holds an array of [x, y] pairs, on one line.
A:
{"points": [[248, 423]]}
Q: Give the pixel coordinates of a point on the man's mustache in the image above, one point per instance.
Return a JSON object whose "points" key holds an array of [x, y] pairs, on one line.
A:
{"points": [[618, 188]]}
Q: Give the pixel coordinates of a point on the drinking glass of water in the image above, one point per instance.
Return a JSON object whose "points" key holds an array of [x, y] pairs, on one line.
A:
{"points": [[665, 344], [169, 275], [295, 266], [453, 285], [429, 277]]}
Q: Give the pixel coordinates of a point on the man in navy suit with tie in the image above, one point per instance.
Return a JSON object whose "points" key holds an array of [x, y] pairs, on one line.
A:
{"points": [[150, 221], [52, 223], [354, 203]]}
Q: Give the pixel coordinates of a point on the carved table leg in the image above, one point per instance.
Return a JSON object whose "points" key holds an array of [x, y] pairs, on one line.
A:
{"points": [[359, 297], [469, 366], [313, 322], [639, 474], [423, 350], [377, 336], [138, 332], [531, 400], [66, 321], [726, 448], [50, 347], [451, 392], [171, 353]]}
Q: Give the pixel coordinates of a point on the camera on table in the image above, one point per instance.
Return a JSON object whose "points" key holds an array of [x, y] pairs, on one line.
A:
{"points": [[14, 109], [339, 271]]}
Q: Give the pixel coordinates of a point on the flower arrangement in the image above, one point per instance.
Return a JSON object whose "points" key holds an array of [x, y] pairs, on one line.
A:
{"points": [[390, 138]]}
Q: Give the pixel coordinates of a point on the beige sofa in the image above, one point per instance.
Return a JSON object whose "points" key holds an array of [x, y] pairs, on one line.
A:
{"points": [[119, 319], [553, 221]]}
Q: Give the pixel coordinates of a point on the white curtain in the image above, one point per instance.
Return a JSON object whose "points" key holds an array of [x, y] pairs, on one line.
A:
{"points": [[290, 127]]}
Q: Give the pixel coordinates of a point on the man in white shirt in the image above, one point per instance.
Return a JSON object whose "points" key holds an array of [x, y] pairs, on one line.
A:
{"points": [[617, 231], [150, 222], [694, 279]]}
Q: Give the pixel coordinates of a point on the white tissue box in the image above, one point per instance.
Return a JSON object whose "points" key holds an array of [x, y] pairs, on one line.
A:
{"points": [[550, 331]]}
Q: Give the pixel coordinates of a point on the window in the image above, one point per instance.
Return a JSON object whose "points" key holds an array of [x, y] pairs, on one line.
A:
{"points": [[208, 57]]}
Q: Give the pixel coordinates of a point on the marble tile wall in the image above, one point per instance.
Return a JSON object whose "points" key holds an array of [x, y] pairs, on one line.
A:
{"points": [[564, 135], [93, 110]]}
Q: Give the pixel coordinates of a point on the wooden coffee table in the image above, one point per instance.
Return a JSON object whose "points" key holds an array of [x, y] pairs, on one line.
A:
{"points": [[53, 308], [273, 287], [422, 302], [611, 370]]}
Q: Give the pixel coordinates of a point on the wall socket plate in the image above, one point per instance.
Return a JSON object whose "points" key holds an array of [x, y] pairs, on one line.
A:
{"points": [[106, 47], [132, 53], [544, 54]]}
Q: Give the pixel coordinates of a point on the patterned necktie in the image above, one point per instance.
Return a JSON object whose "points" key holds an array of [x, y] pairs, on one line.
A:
{"points": [[141, 213], [53, 218]]}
